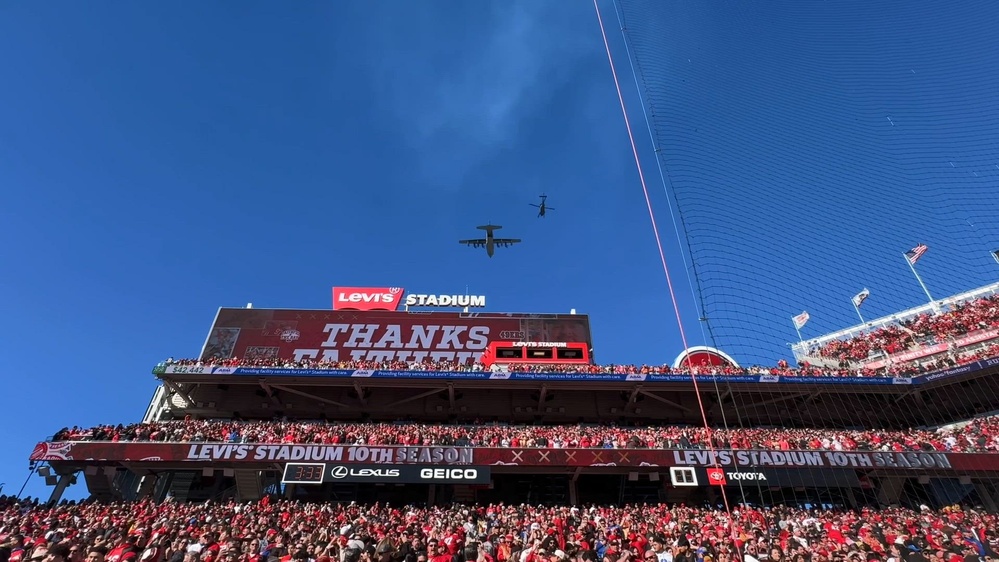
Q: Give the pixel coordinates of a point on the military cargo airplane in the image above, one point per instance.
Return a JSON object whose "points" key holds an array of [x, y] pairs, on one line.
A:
{"points": [[490, 242]]}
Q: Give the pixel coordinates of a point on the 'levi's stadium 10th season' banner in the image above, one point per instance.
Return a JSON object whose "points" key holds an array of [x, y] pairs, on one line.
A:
{"points": [[241, 453], [330, 335]]}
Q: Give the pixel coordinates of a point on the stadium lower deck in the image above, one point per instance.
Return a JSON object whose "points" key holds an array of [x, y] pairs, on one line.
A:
{"points": [[215, 471], [204, 466], [832, 437]]}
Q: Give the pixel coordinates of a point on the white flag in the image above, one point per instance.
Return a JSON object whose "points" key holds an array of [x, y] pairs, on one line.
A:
{"points": [[800, 320], [860, 297]]}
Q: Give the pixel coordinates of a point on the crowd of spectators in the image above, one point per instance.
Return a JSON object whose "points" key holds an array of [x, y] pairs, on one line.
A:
{"points": [[978, 435], [274, 530], [783, 368], [924, 329]]}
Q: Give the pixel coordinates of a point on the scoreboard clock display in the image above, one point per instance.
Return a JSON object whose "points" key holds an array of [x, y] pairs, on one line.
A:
{"points": [[304, 473]]}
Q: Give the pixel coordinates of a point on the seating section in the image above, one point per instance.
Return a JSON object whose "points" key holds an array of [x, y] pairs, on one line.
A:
{"points": [[278, 530], [925, 329], [980, 435]]}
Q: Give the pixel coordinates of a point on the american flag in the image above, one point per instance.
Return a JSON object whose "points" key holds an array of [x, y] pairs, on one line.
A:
{"points": [[914, 254]]}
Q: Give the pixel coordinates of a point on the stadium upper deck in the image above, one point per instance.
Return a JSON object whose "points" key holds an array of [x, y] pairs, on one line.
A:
{"points": [[912, 337], [960, 334]]}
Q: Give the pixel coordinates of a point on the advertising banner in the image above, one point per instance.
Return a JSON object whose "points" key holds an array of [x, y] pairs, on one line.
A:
{"points": [[397, 474], [389, 298], [575, 377], [237, 453], [778, 477], [350, 335], [514, 376], [367, 298]]}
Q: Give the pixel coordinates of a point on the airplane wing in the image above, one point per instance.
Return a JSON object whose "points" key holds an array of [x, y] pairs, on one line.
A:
{"points": [[505, 242], [480, 243]]}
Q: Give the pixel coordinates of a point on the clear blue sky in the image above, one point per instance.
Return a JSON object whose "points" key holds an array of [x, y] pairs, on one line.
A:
{"points": [[160, 160]]}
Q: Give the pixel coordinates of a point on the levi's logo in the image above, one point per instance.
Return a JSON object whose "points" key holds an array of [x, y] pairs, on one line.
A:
{"points": [[366, 298], [716, 476]]}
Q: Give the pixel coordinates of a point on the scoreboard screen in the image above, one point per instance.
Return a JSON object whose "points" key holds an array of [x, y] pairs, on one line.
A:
{"points": [[304, 473]]}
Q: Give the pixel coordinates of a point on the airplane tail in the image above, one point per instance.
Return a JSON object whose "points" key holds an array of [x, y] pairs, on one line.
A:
{"points": [[488, 227]]}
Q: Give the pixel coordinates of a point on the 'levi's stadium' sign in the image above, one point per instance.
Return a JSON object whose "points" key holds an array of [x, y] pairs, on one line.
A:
{"points": [[389, 298], [754, 461]]}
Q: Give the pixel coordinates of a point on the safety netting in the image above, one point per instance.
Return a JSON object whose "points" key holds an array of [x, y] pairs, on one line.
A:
{"points": [[824, 180], [806, 146]]}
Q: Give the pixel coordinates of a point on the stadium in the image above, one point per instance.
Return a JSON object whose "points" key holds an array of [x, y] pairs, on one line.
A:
{"points": [[363, 403], [402, 426]]}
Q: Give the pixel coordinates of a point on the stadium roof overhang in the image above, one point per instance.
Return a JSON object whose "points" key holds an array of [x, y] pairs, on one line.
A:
{"points": [[559, 401]]}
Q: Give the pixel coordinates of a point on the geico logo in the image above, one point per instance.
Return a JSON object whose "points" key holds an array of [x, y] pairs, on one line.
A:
{"points": [[343, 472], [449, 473], [746, 476]]}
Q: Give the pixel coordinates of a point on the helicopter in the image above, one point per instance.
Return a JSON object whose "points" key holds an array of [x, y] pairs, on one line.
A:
{"points": [[543, 207]]}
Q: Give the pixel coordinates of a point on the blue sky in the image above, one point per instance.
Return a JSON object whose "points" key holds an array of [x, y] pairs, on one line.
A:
{"points": [[159, 161]]}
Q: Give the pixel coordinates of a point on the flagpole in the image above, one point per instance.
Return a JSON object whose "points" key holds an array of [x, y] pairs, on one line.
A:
{"points": [[800, 339], [857, 308], [918, 278]]}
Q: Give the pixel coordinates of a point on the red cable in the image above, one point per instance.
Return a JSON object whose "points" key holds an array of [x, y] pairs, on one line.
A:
{"points": [[662, 258]]}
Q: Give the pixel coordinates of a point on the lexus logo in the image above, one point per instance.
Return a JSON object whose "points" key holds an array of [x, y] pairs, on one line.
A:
{"points": [[340, 472]]}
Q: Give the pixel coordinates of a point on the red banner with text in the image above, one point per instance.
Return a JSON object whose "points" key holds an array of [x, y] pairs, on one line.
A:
{"points": [[388, 454], [350, 335]]}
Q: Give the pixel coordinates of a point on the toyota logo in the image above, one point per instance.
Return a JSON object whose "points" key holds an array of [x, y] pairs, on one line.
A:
{"points": [[339, 472], [715, 475]]}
